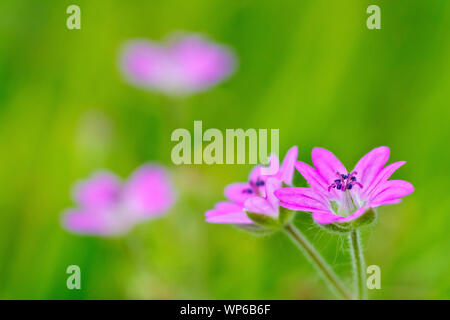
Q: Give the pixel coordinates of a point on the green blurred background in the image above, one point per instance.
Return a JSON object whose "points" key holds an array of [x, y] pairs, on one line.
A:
{"points": [[310, 68]]}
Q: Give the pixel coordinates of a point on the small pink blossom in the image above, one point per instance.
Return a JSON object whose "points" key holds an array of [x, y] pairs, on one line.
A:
{"points": [[256, 195], [105, 206], [338, 195], [185, 64]]}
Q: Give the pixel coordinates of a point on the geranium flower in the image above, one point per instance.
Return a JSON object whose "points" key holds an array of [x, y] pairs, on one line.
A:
{"points": [[108, 207], [256, 195], [338, 195], [185, 64]]}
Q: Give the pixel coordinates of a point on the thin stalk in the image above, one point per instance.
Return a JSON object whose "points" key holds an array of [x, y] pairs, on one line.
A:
{"points": [[316, 259], [359, 265]]}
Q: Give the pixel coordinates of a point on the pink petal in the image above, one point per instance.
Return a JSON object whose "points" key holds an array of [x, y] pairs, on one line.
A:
{"points": [[301, 199], [201, 63], [287, 168], [232, 218], [315, 180], [100, 222], [258, 204], [100, 191], [389, 191], [148, 192], [256, 173], [238, 192], [273, 184], [261, 173], [382, 177], [226, 212], [395, 201], [327, 217], [324, 217], [224, 208], [327, 164], [370, 166], [273, 169]]}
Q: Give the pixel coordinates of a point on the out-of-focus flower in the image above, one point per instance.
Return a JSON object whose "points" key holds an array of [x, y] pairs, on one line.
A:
{"points": [[185, 64], [257, 195], [108, 207], [339, 196]]}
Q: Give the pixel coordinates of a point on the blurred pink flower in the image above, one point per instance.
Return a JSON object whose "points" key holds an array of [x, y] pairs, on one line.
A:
{"points": [[108, 207], [186, 64], [337, 195], [257, 195]]}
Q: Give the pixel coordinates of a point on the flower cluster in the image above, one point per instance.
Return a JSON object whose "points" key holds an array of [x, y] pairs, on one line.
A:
{"points": [[334, 195]]}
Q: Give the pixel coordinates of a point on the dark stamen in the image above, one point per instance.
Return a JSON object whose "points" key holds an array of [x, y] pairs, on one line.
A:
{"points": [[345, 182], [259, 183]]}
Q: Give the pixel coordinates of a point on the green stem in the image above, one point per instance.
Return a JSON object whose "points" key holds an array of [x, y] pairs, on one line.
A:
{"points": [[359, 266], [316, 259]]}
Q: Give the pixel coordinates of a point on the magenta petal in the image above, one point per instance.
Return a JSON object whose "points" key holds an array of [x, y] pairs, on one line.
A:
{"points": [[272, 170], [143, 63], [389, 191], [324, 217], [301, 199], [224, 208], [395, 201], [227, 212], [233, 218], [355, 215], [100, 191], [256, 173], [238, 192], [370, 165], [100, 222], [327, 217], [261, 173], [287, 167], [201, 63], [382, 177], [315, 180], [258, 204], [148, 192], [327, 164], [273, 184]]}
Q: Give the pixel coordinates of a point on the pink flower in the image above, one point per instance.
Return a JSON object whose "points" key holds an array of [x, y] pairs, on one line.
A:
{"points": [[186, 64], [108, 207], [256, 195], [338, 195]]}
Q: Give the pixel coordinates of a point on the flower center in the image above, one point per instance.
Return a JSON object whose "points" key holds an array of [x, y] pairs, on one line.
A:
{"points": [[254, 187], [345, 182]]}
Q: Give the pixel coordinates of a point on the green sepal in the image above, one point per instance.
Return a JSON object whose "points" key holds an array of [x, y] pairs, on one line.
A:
{"points": [[254, 229], [285, 216], [340, 228], [264, 220], [366, 219]]}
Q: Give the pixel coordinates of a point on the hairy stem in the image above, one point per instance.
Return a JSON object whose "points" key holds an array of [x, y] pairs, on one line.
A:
{"points": [[359, 266], [316, 259]]}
